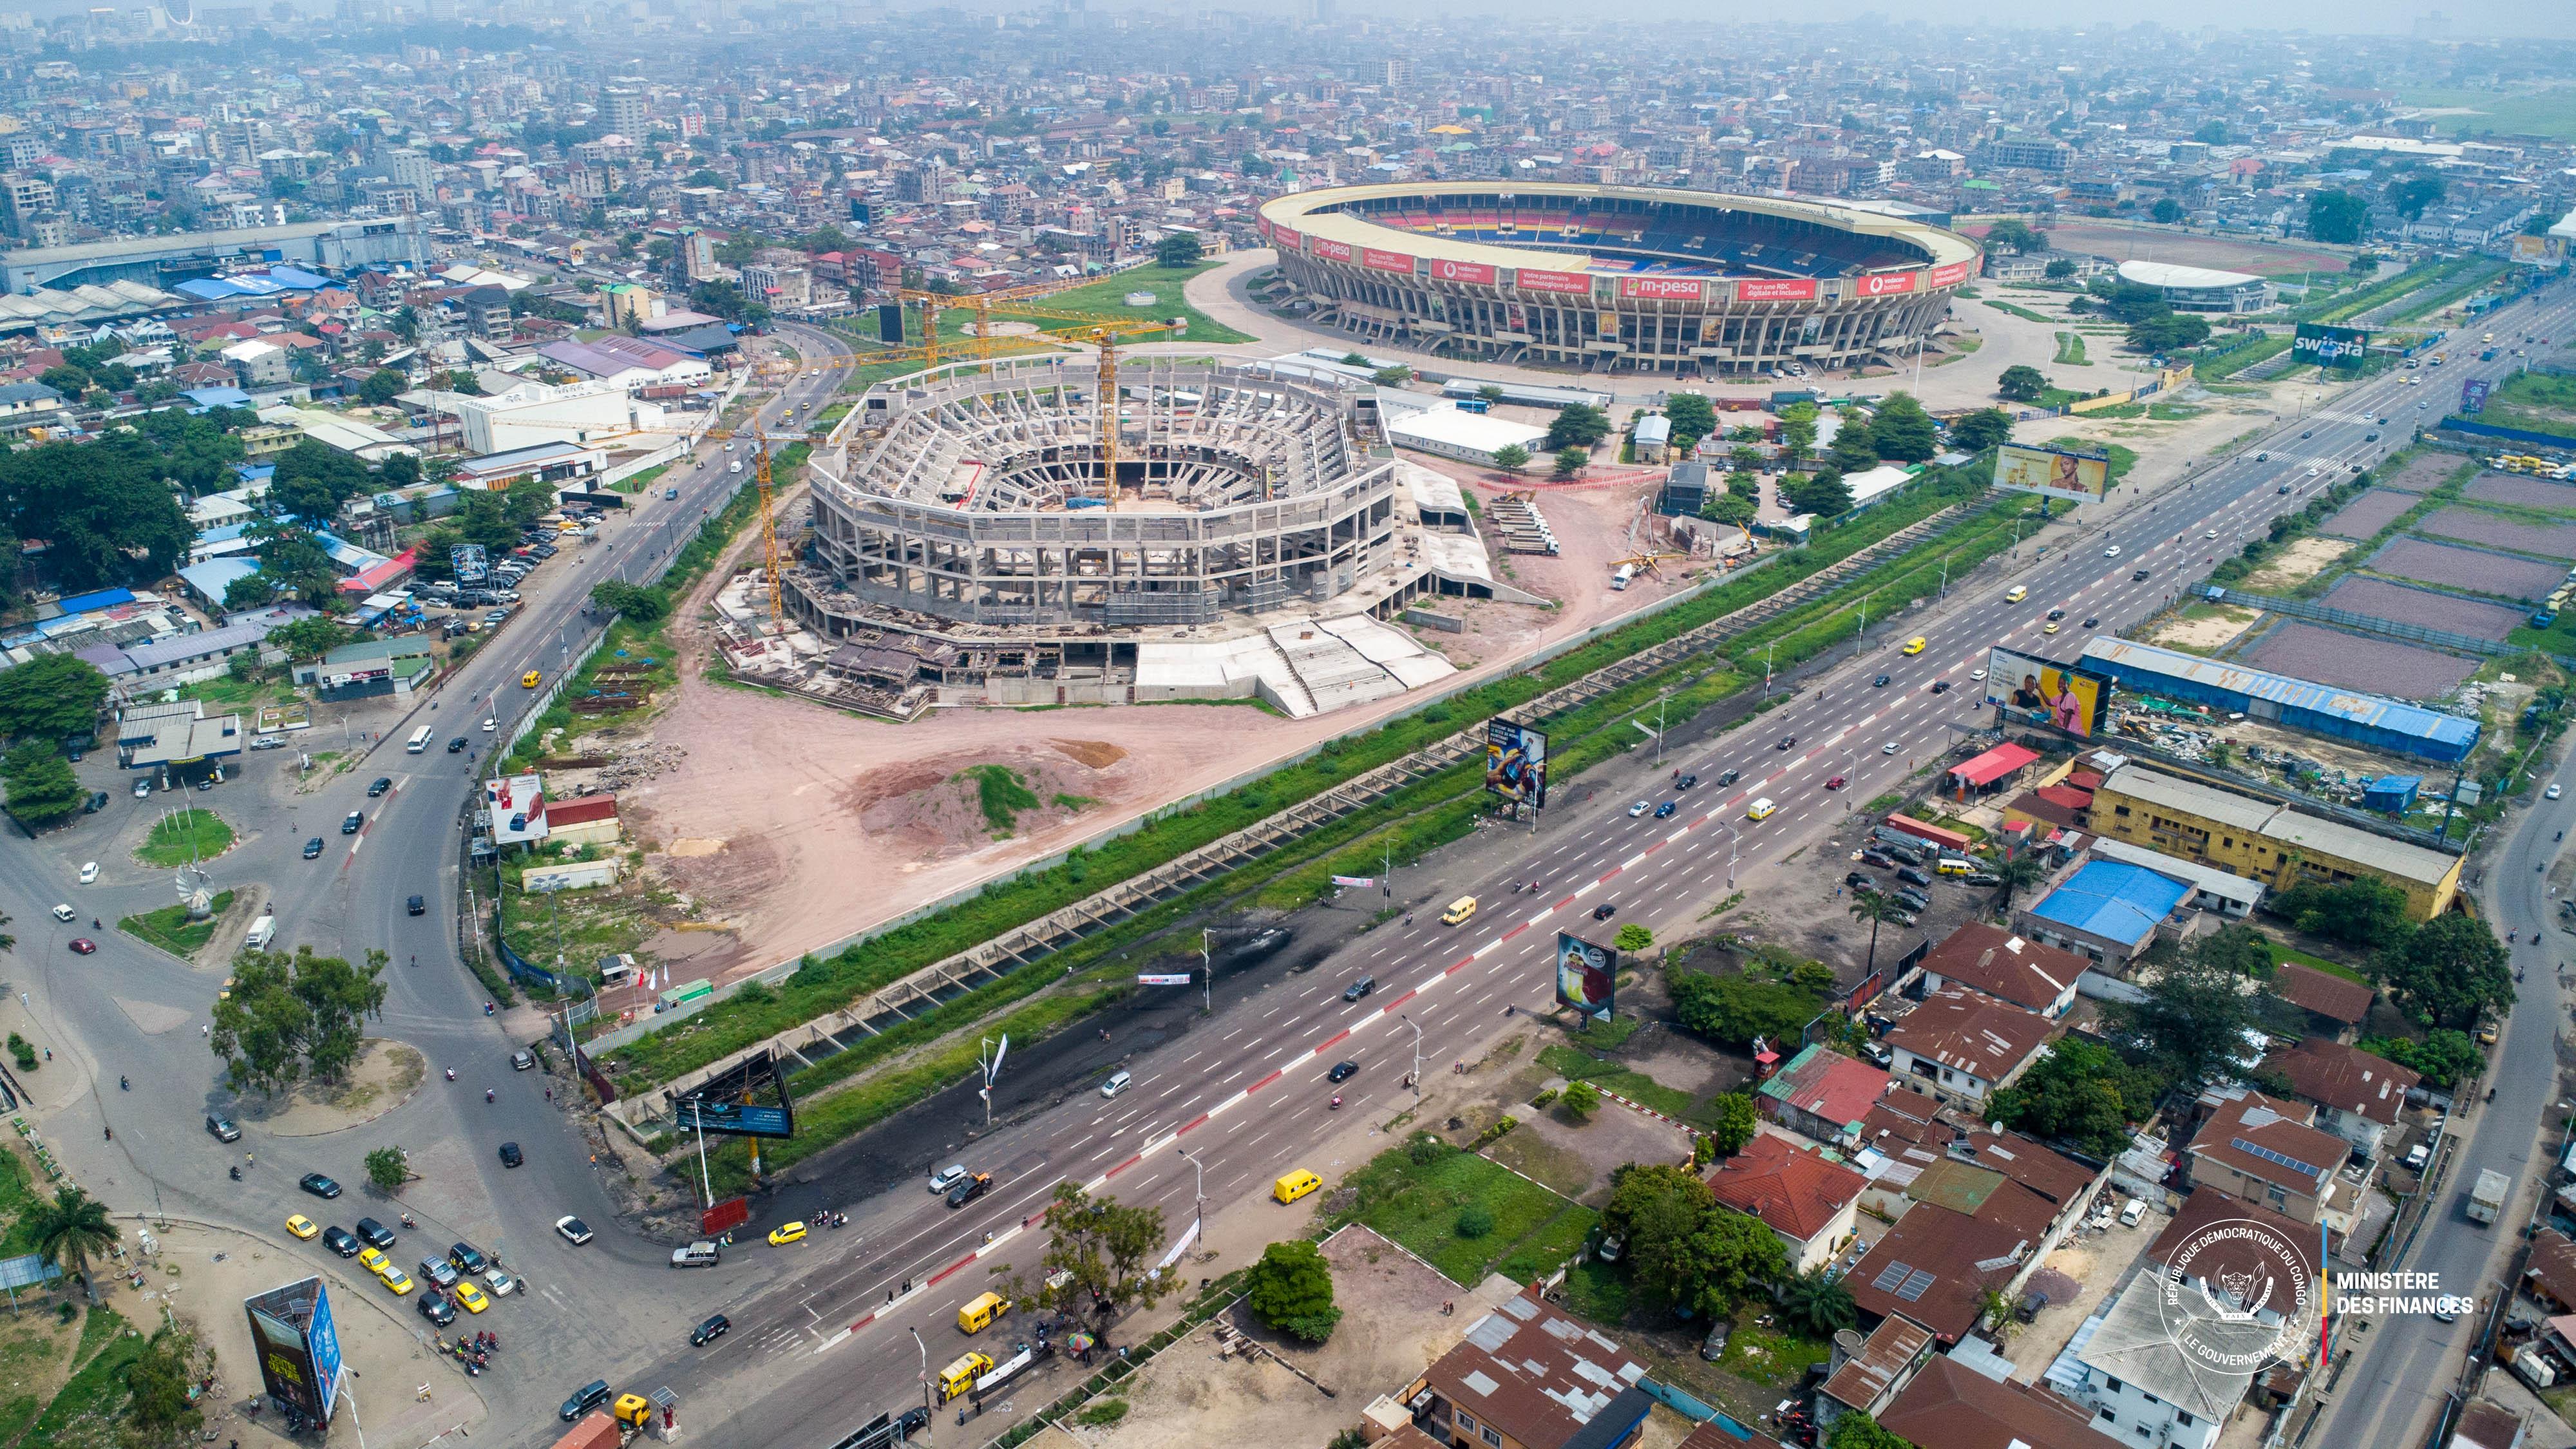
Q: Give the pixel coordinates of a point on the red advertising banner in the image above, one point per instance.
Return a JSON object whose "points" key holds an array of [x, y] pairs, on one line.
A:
{"points": [[724, 1217], [1476, 272], [1953, 274], [1662, 289], [1386, 261], [1886, 284], [1261, 224], [1772, 289], [1338, 251], [1531, 279], [1284, 239]]}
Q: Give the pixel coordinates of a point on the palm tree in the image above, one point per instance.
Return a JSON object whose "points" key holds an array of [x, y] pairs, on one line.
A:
{"points": [[70, 1229], [2020, 872], [1868, 905], [1818, 1302]]}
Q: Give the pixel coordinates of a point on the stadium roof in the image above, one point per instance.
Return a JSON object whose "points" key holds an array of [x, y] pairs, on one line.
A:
{"points": [[2114, 901], [2168, 274], [1311, 212], [2392, 715]]}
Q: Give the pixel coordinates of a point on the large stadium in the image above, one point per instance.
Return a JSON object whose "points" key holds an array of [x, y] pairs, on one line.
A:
{"points": [[1616, 278]]}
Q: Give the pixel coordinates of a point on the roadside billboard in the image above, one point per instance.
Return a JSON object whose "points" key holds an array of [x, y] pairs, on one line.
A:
{"points": [[298, 1346], [2043, 692], [2329, 346], [2053, 473], [733, 1101], [1586, 975], [2473, 396], [1516, 763]]}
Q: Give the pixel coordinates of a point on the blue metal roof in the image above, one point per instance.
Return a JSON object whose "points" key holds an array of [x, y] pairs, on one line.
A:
{"points": [[2113, 900], [2374, 711], [103, 599]]}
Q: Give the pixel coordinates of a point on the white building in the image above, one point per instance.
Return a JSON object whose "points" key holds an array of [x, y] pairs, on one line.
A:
{"points": [[1469, 437], [2200, 289], [533, 413], [2143, 1388]]}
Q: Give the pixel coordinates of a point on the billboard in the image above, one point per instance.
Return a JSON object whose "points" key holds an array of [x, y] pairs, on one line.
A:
{"points": [[1285, 239], [1775, 289], [1338, 251], [2043, 692], [1586, 975], [2329, 346], [1953, 274], [1661, 289], [2076, 477], [733, 1101], [1531, 279], [1475, 272], [1386, 261], [1516, 763], [1886, 284], [299, 1349], [2473, 396], [469, 566]]}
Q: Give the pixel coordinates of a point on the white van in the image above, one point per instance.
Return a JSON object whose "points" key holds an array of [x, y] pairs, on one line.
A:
{"points": [[1117, 1083], [262, 931], [2133, 1212]]}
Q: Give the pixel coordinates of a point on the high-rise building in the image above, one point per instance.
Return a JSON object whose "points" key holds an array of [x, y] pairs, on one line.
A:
{"points": [[624, 112]]}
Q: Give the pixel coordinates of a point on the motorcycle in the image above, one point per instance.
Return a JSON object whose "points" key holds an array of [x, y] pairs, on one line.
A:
{"points": [[407, 1222], [1337, 1101], [123, 1085], [236, 1172], [451, 1074], [487, 1094]]}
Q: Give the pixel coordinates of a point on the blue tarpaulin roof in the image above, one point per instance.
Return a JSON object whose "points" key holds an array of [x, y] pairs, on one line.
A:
{"points": [[103, 599], [2113, 900]]}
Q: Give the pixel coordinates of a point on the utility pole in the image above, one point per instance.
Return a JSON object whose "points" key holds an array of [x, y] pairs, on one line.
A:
{"points": [[992, 1069], [1198, 1211], [925, 1370], [1417, 1056], [1730, 852], [1662, 697], [1207, 976]]}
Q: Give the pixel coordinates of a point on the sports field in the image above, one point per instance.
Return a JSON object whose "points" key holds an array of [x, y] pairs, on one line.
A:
{"points": [[2543, 111]]}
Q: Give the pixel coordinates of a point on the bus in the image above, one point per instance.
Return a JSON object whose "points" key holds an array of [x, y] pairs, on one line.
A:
{"points": [[418, 742]]}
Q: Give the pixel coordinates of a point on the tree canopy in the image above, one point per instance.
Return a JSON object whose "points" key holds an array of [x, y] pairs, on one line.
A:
{"points": [[1577, 425], [1977, 431], [1902, 431], [2021, 382], [100, 509], [2365, 912], [51, 697], [2081, 1092], [1682, 1249], [1732, 1010], [2448, 972], [2012, 234], [2192, 1023], [2337, 216], [1180, 249], [293, 1016], [1105, 1248], [1292, 1289], [1822, 493]]}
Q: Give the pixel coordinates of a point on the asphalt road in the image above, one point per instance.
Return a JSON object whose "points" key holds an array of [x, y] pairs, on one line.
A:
{"points": [[825, 1337], [128, 1009]]}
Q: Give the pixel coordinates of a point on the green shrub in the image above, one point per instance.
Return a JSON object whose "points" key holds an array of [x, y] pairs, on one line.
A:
{"points": [[1107, 1411], [1474, 1221]]}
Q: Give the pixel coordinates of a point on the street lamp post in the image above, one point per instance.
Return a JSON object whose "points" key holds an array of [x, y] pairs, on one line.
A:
{"points": [[926, 1409], [1662, 697], [1198, 1210], [1207, 976], [1731, 839], [1417, 1055]]}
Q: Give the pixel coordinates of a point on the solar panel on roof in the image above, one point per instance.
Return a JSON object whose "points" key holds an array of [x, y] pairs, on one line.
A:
{"points": [[1889, 1276], [2268, 1155], [1914, 1286]]}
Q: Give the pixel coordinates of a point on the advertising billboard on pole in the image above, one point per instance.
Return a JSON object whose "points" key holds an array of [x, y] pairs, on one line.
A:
{"points": [[298, 1345], [2044, 692], [1516, 763], [734, 1102], [2329, 346], [2052, 472], [1587, 976]]}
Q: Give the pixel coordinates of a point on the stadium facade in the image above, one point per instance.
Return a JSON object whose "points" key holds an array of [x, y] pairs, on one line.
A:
{"points": [[1616, 278]]}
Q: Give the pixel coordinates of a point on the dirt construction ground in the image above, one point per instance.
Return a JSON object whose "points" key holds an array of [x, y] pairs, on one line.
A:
{"points": [[791, 827]]}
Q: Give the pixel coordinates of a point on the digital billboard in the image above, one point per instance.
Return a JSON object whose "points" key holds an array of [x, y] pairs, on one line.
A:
{"points": [[2040, 691], [2473, 396], [733, 1101], [299, 1349], [1586, 975], [2329, 346], [2076, 477], [1516, 763]]}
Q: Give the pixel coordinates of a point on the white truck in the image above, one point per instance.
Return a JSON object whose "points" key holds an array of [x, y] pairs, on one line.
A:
{"points": [[2486, 1199], [262, 931]]}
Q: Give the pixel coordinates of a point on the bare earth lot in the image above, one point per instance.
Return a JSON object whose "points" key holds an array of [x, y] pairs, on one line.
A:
{"points": [[2383, 600], [2365, 516], [2549, 540], [2303, 560], [2423, 473], [2382, 666], [2521, 491], [2475, 569]]}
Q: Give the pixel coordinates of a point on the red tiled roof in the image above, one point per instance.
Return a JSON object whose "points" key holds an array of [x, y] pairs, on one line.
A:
{"points": [[2331, 1074], [1926, 1268], [1826, 1084], [2008, 967], [1971, 1033], [2065, 796], [1951, 1406], [2322, 992], [1795, 1193], [2279, 1127]]}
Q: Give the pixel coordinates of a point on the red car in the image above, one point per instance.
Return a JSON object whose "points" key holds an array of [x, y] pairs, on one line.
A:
{"points": [[83, 945], [1836, 783]]}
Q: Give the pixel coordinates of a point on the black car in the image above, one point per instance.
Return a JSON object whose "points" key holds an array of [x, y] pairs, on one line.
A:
{"points": [[973, 1187], [436, 1308], [373, 1234], [510, 1154], [2138, 577], [1878, 857], [351, 822], [709, 1331], [337, 1239], [97, 802], [1911, 876], [1604, 911], [313, 848], [1879, 683], [318, 1185], [584, 1399], [1860, 880], [1341, 1071], [223, 1129], [1685, 782], [456, 745], [381, 784], [416, 906], [468, 1259], [1730, 777], [1785, 742], [1940, 686], [1359, 988], [2089, 623], [2057, 613], [1912, 900]]}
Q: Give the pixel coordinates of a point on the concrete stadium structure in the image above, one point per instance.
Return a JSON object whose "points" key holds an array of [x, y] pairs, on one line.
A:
{"points": [[1616, 278], [980, 512]]}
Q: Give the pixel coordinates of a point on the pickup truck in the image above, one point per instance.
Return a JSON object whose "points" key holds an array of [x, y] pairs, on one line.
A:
{"points": [[2486, 1199]]}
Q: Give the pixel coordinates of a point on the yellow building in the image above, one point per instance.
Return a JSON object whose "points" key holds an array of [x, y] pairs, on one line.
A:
{"points": [[2265, 840], [629, 306]]}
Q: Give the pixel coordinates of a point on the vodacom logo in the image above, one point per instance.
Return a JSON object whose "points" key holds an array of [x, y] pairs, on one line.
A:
{"points": [[1884, 283]]}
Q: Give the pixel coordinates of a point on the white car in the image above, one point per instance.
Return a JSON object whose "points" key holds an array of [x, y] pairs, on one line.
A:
{"points": [[2550, 793], [490, 725], [89, 872], [1640, 808], [2112, 552], [1976, 674], [2212, 533], [64, 913], [503, 1285], [947, 1177], [574, 1230], [1888, 749]]}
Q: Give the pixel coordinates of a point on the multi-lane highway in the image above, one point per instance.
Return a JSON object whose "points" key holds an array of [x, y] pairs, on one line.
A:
{"points": [[829, 1339]]}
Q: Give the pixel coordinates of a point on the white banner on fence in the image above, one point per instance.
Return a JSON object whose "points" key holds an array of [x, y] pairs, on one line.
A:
{"points": [[1355, 880], [1180, 1247], [1183, 979]]}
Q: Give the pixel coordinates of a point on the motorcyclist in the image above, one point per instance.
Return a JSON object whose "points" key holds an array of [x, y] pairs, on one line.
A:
{"points": [[487, 1094], [123, 1085], [451, 1074]]}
